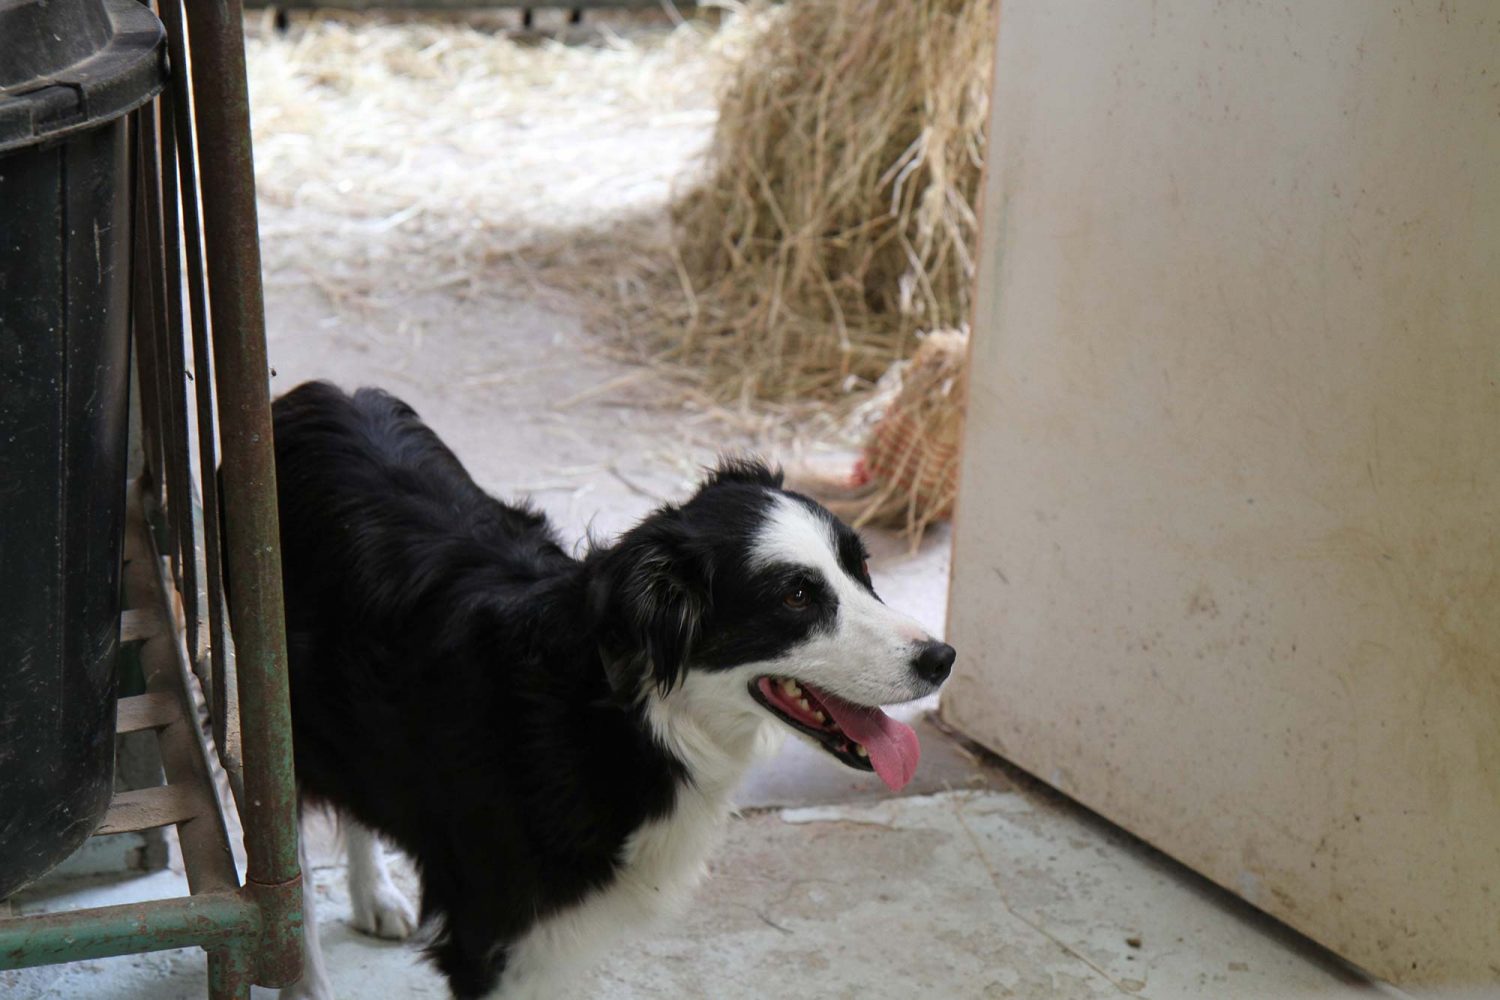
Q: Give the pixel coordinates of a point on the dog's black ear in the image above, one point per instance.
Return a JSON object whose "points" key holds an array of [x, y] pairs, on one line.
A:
{"points": [[648, 598]]}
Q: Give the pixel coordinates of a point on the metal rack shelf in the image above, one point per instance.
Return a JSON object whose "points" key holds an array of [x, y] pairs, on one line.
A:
{"points": [[198, 330]]}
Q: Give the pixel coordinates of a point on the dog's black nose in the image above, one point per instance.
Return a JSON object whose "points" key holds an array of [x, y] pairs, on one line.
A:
{"points": [[934, 661]]}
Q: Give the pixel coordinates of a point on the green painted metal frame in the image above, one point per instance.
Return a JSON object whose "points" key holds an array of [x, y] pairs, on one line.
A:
{"points": [[196, 238]]}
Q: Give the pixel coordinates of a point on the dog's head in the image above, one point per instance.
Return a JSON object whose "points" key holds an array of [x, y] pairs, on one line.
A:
{"points": [[748, 601]]}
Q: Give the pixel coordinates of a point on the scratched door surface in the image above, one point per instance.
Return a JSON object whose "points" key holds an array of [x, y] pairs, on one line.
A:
{"points": [[1227, 559]]}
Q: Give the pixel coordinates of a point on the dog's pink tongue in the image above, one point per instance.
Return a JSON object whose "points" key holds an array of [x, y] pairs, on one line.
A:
{"points": [[892, 746]]}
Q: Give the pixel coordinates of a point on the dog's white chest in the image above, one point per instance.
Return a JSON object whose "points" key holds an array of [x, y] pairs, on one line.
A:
{"points": [[667, 858], [662, 863]]}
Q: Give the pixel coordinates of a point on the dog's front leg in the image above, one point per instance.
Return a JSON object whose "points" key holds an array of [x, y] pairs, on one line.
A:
{"points": [[380, 909]]}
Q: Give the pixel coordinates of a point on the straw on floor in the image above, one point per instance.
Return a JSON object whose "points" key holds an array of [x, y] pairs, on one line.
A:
{"points": [[398, 154]]}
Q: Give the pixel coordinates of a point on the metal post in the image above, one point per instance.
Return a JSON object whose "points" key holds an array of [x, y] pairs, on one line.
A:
{"points": [[143, 320], [224, 709], [253, 551], [229, 974]]}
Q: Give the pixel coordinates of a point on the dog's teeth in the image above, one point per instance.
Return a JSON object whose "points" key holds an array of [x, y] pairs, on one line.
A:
{"points": [[790, 687], [820, 717], [861, 751], [805, 706]]}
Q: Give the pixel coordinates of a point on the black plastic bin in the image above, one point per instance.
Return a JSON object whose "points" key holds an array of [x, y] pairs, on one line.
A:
{"points": [[70, 71]]}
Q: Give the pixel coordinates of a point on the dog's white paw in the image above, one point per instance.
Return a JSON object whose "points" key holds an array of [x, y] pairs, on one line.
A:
{"points": [[380, 910], [312, 986]]}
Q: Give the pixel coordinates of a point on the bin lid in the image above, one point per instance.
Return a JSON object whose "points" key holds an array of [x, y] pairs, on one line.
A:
{"points": [[67, 65]]}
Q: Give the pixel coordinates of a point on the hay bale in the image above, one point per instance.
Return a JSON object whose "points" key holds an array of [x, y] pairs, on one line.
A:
{"points": [[907, 475], [837, 219]]}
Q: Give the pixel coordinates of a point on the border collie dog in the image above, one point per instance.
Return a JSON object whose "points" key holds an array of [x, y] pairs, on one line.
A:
{"points": [[554, 740]]}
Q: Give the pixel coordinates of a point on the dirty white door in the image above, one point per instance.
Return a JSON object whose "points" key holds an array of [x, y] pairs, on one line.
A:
{"points": [[1227, 561]]}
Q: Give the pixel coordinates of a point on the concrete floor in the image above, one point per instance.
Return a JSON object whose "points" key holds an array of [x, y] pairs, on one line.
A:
{"points": [[978, 883], [1001, 889]]}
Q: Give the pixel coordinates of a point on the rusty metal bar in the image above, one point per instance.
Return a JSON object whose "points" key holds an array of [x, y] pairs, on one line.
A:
{"points": [[230, 973], [101, 932], [179, 468], [252, 536], [148, 166], [142, 319], [223, 705]]}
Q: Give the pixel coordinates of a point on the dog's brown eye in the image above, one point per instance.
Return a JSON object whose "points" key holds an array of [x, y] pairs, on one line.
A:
{"points": [[797, 599]]}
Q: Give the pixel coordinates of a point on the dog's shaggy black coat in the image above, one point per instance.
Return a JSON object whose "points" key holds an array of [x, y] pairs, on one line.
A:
{"points": [[464, 686]]}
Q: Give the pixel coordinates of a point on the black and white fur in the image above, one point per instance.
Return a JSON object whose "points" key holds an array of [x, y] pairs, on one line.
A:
{"points": [[553, 740]]}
